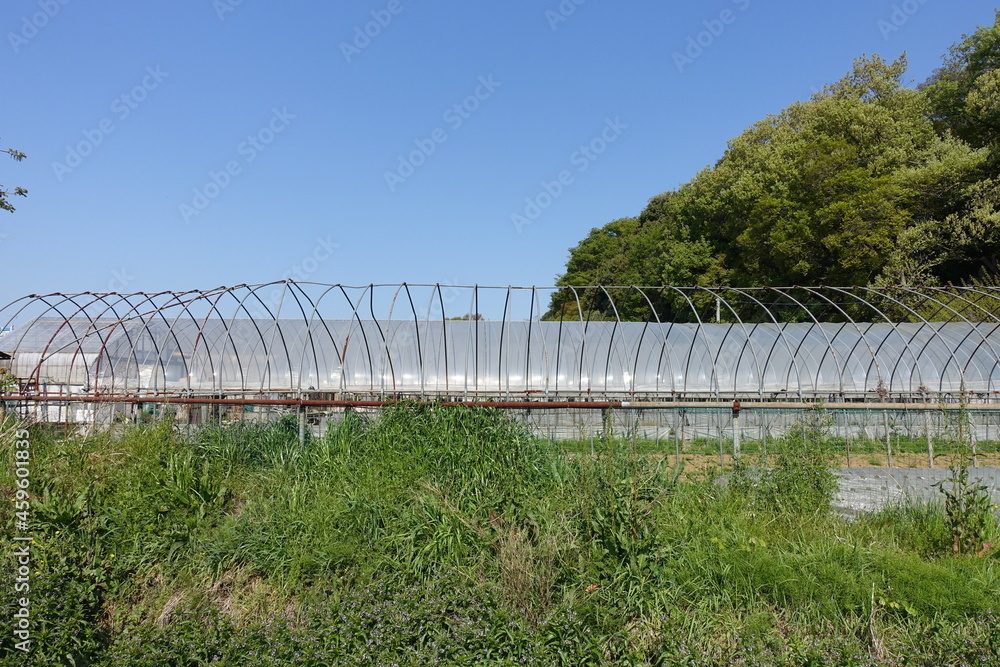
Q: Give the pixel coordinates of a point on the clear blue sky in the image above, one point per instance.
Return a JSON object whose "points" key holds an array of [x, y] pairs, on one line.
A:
{"points": [[126, 110]]}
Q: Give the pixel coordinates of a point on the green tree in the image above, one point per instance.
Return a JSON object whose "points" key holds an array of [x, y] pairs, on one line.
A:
{"points": [[965, 91], [859, 185], [820, 192], [962, 244]]}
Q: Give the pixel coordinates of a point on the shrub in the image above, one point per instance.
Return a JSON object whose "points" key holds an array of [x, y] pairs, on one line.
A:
{"points": [[802, 480]]}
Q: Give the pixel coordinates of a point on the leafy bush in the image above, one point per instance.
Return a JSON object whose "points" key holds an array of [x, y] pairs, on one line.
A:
{"points": [[68, 584], [801, 481], [969, 512]]}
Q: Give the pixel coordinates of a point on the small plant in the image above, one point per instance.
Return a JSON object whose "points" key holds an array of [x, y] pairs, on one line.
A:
{"points": [[802, 479], [967, 504], [968, 511]]}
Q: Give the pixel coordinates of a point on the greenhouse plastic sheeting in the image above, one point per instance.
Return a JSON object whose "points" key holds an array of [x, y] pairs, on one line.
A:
{"points": [[169, 346]]}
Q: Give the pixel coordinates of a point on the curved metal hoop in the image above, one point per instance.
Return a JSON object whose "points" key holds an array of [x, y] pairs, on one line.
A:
{"points": [[378, 341]]}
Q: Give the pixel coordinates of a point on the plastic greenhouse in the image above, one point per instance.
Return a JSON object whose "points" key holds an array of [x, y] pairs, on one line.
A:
{"points": [[329, 347], [333, 339]]}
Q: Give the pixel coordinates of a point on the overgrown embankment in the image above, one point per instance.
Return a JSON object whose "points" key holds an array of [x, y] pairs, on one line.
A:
{"points": [[433, 534]]}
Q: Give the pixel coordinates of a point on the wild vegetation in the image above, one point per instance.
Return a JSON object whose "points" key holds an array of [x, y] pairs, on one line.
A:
{"points": [[448, 536], [870, 182]]}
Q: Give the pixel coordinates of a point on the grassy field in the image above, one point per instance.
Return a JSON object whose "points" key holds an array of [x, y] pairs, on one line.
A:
{"points": [[448, 536]]}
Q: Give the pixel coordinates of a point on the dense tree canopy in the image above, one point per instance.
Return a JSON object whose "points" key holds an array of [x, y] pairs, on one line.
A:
{"points": [[870, 182]]}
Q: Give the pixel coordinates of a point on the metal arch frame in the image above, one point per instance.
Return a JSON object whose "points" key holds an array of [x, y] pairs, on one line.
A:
{"points": [[402, 287], [954, 349], [341, 351], [861, 334], [996, 357], [829, 343], [645, 328], [389, 320], [288, 355], [611, 340], [924, 323], [384, 335], [916, 361], [104, 342], [958, 326], [721, 345], [312, 342], [436, 289], [241, 305], [148, 298], [276, 329], [527, 351], [472, 342], [66, 322], [746, 343], [444, 331], [583, 339], [665, 355], [694, 338], [252, 291], [92, 327], [780, 335], [158, 311], [585, 324], [420, 346], [213, 307], [188, 355], [893, 329]]}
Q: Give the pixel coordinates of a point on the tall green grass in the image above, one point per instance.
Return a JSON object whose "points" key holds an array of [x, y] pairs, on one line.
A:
{"points": [[428, 533]]}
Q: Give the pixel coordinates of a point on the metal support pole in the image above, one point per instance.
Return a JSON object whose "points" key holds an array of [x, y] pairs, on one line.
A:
{"points": [[677, 441], [736, 432], [888, 441], [302, 427], [930, 441], [722, 452], [972, 442]]}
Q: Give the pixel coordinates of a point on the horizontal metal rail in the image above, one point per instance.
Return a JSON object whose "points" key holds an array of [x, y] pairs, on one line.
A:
{"points": [[513, 405]]}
